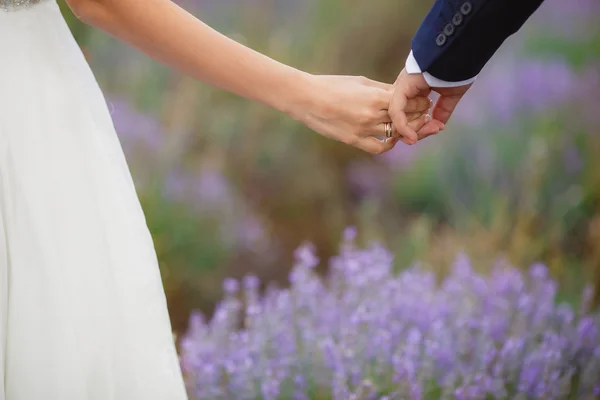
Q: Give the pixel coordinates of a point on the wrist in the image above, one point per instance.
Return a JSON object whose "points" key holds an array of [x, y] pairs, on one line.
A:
{"points": [[297, 95]]}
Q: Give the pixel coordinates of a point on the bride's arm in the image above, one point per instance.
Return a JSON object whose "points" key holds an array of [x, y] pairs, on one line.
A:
{"points": [[166, 32], [344, 108]]}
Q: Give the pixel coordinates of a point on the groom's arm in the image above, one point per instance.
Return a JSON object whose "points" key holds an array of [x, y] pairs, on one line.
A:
{"points": [[453, 44], [458, 37]]}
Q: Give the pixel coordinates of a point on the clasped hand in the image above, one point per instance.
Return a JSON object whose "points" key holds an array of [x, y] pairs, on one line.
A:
{"points": [[355, 110]]}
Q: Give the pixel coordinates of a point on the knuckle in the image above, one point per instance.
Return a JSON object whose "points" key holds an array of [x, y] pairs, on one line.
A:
{"points": [[374, 103], [367, 117]]}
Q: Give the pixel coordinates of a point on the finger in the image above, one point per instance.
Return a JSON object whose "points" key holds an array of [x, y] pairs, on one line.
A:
{"points": [[379, 131], [444, 107], [397, 113], [431, 128], [420, 122], [418, 104], [406, 133], [425, 126], [381, 117], [384, 116], [375, 146], [412, 85]]}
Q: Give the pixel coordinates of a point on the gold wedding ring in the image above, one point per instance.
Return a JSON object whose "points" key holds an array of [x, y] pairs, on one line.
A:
{"points": [[388, 130]]}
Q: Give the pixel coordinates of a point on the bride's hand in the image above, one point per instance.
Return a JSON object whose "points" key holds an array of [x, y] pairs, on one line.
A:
{"points": [[354, 110]]}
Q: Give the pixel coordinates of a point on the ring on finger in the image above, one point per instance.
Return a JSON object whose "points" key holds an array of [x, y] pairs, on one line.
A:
{"points": [[388, 130]]}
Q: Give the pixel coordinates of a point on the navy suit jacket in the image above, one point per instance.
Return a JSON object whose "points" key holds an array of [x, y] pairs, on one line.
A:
{"points": [[458, 37]]}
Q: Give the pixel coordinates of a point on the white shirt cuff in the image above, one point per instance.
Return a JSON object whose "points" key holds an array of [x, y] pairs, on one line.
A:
{"points": [[412, 67]]}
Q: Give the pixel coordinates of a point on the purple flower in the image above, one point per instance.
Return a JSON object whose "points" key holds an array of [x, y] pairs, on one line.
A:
{"points": [[231, 286], [305, 256], [251, 282], [363, 331], [538, 272]]}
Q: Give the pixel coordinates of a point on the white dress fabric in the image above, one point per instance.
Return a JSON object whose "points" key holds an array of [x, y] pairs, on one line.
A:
{"points": [[83, 314]]}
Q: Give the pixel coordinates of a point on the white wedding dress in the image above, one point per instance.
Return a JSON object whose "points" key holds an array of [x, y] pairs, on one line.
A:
{"points": [[83, 314]]}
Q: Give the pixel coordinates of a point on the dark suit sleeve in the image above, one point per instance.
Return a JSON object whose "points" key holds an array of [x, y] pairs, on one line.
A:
{"points": [[458, 37]]}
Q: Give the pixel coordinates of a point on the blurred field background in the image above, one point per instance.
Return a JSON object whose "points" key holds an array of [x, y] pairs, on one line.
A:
{"points": [[230, 187]]}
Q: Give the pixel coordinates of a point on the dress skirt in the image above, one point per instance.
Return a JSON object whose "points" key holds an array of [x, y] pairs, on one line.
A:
{"points": [[83, 313]]}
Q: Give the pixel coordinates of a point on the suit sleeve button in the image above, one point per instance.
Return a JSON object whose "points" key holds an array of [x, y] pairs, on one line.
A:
{"points": [[466, 8], [440, 40], [457, 19], [449, 29]]}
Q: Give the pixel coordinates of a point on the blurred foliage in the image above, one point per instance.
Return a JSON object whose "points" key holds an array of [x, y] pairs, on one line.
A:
{"points": [[515, 175]]}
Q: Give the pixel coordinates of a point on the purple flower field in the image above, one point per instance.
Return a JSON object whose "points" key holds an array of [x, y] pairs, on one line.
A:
{"points": [[365, 332]]}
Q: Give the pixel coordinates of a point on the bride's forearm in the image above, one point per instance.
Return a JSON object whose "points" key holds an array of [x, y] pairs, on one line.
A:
{"points": [[352, 110], [169, 34]]}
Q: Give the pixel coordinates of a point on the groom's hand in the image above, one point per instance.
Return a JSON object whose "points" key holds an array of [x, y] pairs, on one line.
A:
{"points": [[408, 86], [447, 102]]}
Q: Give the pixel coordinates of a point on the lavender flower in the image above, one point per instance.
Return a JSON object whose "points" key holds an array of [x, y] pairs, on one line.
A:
{"points": [[364, 332]]}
